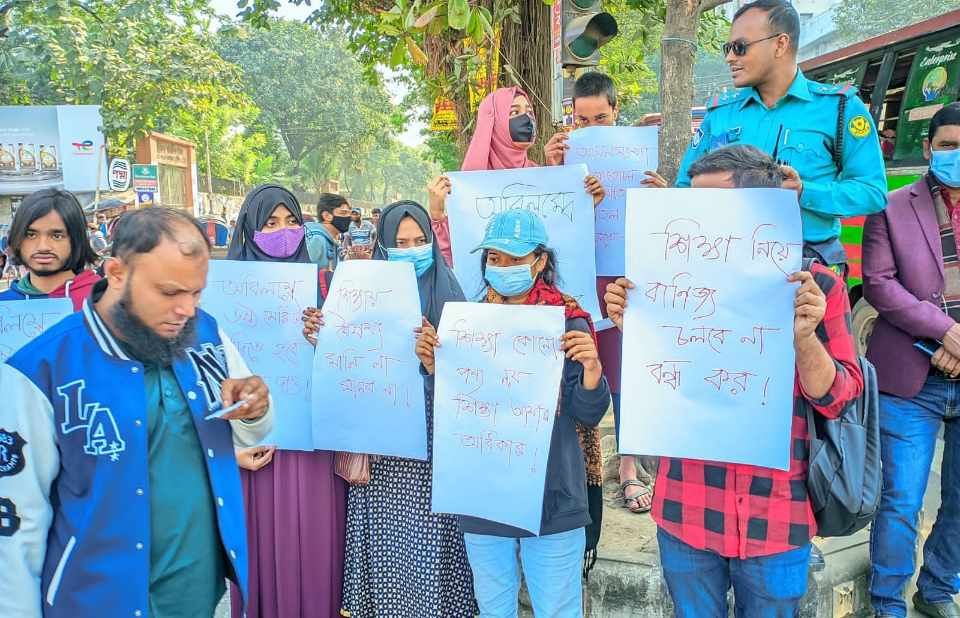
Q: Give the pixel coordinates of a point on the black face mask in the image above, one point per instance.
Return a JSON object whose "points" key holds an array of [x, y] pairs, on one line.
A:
{"points": [[341, 224], [522, 129]]}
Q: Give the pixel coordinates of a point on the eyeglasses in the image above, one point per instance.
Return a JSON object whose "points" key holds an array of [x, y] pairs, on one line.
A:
{"points": [[739, 48]]}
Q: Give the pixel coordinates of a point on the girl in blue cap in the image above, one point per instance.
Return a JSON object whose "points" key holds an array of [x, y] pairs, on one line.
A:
{"points": [[520, 269]]}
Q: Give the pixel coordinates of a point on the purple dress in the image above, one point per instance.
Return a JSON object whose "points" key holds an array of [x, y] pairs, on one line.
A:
{"points": [[296, 525]]}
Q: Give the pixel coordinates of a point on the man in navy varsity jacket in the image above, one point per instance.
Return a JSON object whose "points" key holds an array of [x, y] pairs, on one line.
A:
{"points": [[117, 497]]}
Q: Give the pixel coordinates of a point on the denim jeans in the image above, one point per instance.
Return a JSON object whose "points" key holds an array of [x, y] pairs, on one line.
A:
{"points": [[763, 587], [552, 567], [908, 438]]}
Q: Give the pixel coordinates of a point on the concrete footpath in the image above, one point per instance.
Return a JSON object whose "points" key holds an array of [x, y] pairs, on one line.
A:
{"points": [[626, 581]]}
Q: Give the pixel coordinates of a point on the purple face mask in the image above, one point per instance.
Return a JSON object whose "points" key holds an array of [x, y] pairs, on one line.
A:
{"points": [[280, 244]]}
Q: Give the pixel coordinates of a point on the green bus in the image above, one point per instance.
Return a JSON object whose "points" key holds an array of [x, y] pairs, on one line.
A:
{"points": [[904, 77]]}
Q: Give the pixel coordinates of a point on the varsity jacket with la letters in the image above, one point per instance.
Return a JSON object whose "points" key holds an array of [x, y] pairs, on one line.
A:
{"points": [[74, 491]]}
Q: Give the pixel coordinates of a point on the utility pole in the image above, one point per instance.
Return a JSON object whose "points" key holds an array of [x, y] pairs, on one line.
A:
{"points": [[206, 137]]}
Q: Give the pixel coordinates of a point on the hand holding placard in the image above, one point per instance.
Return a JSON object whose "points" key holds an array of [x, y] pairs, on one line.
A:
{"points": [[497, 383]]}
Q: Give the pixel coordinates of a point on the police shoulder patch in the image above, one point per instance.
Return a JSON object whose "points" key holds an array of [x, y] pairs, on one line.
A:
{"points": [[859, 126], [12, 460]]}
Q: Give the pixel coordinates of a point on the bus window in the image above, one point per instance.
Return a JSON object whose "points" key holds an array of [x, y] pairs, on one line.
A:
{"points": [[868, 80], [889, 115], [934, 81]]}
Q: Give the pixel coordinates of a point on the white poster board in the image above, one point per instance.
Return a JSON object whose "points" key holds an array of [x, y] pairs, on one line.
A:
{"points": [[708, 358], [259, 306], [618, 156], [497, 382], [367, 386], [22, 320], [556, 194]]}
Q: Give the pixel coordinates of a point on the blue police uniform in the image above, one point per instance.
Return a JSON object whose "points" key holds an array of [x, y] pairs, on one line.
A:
{"points": [[801, 131]]}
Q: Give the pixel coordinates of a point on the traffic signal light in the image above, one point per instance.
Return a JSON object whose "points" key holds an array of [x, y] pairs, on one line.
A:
{"points": [[585, 29]]}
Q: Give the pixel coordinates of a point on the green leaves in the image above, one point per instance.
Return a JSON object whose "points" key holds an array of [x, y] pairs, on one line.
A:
{"points": [[458, 14]]}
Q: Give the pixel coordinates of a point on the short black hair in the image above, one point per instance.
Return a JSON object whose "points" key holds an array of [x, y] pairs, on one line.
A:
{"points": [[748, 166], [328, 202], [946, 116], [781, 16], [65, 204], [595, 84], [376, 211], [140, 231]]}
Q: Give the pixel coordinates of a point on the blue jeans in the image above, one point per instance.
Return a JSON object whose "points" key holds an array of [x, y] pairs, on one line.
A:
{"points": [[552, 567], [908, 438], [764, 587]]}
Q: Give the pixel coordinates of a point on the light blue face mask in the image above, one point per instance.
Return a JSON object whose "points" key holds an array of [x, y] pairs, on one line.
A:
{"points": [[421, 257], [945, 166], [510, 280]]}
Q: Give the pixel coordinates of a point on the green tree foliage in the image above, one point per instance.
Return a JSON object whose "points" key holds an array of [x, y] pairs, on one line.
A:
{"points": [[857, 20], [313, 94], [143, 61]]}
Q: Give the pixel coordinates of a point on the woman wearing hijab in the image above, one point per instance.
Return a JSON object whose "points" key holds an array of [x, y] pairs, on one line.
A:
{"points": [[520, 269], [295, 503], [403, 560], [506, 129]]}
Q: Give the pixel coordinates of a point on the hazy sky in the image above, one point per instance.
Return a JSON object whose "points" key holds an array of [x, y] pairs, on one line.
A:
{"points": [[288, 10]]}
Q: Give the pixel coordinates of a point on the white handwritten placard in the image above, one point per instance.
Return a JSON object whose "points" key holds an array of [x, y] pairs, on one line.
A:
{"points": [[497, 382], [708, 358], [618, 156], [557, 194], [22, 320], [259, 306], [368, 389]]}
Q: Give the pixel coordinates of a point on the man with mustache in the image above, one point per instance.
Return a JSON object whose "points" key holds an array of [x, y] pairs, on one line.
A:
{"points": [[121, 494], [49, 237]]}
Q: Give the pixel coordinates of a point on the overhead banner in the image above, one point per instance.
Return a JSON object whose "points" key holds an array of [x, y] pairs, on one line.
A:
{"points": [[618, 156], [708, 330], [367, 387], [46, 146], [556, 194], [259, 306], [22, 320], [497, 382]]}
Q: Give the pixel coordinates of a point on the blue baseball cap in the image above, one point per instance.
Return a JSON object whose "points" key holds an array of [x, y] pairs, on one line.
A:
{"points": [[515, 232]]}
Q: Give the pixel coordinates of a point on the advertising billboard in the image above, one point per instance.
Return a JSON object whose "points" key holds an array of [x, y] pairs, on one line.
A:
{"points": [[51, 147]]}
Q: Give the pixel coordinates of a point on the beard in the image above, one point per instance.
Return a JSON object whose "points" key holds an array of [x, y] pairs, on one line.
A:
{"points": [[142, 342]]}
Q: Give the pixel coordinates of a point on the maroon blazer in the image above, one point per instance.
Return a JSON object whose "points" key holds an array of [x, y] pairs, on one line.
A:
{"points": [[903, 280]]}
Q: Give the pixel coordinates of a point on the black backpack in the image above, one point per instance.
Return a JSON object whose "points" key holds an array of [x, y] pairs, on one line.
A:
{"points": [[844, 479]]}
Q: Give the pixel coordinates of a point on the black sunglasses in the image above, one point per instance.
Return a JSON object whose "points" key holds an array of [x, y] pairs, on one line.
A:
{"points": [[739, 48]]}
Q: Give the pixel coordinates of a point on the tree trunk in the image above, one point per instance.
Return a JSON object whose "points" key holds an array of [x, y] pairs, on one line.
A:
{"points": [[679, 54], [525, 47]]}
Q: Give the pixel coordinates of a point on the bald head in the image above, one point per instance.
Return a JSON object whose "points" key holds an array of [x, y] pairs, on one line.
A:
{"points": [[141, 231]]}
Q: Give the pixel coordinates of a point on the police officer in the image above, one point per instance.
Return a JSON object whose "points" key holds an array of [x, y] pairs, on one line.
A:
{"points": [[823, 134]]}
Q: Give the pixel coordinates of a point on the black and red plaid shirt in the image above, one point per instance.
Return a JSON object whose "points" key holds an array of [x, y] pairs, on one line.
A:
{"points": [[741, 511]]}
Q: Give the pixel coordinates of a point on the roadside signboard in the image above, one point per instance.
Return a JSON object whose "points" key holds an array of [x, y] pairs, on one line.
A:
{"points": [[119, 175]]}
